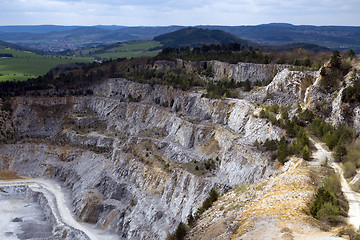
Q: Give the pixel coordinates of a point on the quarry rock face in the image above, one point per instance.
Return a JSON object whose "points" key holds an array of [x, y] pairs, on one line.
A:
{"points": [[138, 168], [137, 159], [238, 72], [289, 87], [246, 71]]}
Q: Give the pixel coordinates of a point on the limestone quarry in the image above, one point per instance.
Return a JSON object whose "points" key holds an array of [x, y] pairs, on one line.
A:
{"points": [[136, 169]]}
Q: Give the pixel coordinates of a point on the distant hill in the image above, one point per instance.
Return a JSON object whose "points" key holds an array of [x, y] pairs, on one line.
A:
{"points": [[49, 28], [79, 37], [333, 37], [75, 37], [191, 37], [119, 50], [20, 48]]}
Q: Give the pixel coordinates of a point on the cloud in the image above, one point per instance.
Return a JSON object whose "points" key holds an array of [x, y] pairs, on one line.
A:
{"points": [[185, 12]]}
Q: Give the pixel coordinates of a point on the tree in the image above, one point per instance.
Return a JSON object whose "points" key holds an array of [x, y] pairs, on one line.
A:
{"points": [[339, 152], [180, 231], [351, 54], [323, 71], [335, 59], [305, 153], [247, 85], [282, 151]]}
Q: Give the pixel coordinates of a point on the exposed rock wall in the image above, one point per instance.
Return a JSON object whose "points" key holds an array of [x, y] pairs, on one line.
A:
{"points": [[289, 87], [246, 71], [131, 166], [60, 230], [238, 72]]}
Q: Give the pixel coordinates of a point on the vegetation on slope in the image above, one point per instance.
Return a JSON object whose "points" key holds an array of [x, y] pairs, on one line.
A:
{"points": [[119, 50], [235, 52], [297, 141], [329, 204], [194, 37], [182, 229], [333, 75]]}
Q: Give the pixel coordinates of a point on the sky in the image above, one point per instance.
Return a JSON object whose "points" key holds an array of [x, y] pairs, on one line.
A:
{"points": [[179, 12]]}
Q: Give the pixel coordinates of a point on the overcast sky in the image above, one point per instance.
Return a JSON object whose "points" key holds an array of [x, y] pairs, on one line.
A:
{"points": [[179, 12]]}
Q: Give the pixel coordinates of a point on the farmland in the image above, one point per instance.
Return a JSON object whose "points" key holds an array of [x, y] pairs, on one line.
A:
{"points": [[131, 49], [24, 65]]}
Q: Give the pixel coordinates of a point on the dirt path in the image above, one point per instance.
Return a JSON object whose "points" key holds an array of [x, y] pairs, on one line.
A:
{"points": [[353, 197]]}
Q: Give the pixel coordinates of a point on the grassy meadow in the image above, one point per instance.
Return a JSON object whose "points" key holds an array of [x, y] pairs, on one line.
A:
{"points": [[131, 49], [24, 65]]}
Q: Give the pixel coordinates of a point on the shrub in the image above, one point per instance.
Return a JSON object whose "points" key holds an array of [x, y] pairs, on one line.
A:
{"points": [[179, 233], [353, 153], [339, 152], [210, 164], [326, 206], [282, 151], [270, 145], [305, 153], [213, 196], [351, 94], [328, 212], [349, 169]]}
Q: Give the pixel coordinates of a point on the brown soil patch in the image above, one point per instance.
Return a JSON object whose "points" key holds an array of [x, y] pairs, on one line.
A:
{"points": [[9, 175]]}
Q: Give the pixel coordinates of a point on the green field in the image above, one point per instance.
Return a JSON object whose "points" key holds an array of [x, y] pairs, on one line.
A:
{"points": [[24, 65], [130, 54], [131, 49]]}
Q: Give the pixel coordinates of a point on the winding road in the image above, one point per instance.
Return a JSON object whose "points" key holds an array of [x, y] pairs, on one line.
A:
{"points": [[56, 198], [353, 198]]}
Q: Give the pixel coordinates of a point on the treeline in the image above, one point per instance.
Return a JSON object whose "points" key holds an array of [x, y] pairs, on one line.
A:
{"points": [[235, 52], [6, 55], [177, 78], [72, 82], [231, 53]]}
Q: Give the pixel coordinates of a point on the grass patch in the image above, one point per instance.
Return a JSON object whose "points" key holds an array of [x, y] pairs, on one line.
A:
{"points": [[24, 65], [129, 54], [131, 49]]}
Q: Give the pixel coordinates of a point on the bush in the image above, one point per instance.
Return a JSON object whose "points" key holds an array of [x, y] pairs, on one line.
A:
{"points": [[328, 212], [282, 151], [332, 136], [179, 233], [353, 153], [352, 94], [305, 153], [349, 169], [270, 145], [326, 206], [339, 152], [213, 197]]}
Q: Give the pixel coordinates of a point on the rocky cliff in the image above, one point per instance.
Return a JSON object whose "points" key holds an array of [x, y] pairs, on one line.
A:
{"points": [[238, 72], [138, 167], [138, 158]]}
